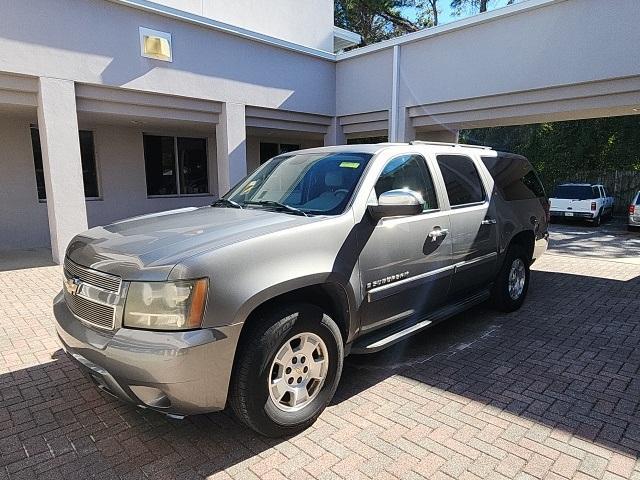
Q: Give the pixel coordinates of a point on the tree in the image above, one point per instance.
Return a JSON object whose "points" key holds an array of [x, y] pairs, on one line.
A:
{"points": [[374, 20], [480, 6], [428, 16]]}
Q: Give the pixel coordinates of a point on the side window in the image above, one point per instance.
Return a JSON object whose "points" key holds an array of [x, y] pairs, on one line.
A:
{"points": [[462, 180], [408, 172], [514, 176]]}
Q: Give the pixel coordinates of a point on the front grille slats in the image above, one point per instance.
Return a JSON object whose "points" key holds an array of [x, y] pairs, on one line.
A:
{"points": [[95, 313], [98, 279]]}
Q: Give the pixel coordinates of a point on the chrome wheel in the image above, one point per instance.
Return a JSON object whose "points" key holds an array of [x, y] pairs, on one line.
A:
{"points": [[517, 278], [298, 372]]}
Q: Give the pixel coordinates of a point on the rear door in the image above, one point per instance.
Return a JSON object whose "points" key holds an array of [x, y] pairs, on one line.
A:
{"points": [[405, 267], [474, 224]]}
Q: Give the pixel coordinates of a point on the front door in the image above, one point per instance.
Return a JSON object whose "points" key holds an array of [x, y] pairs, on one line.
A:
{"points": [[474, 225], [406, 262]]}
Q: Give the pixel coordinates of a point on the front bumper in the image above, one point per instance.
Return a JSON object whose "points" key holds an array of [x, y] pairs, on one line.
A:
{"points": [[180, 373]]}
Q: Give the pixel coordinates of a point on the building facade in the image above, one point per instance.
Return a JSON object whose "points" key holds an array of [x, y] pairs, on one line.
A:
{"points": [[115, 108]]}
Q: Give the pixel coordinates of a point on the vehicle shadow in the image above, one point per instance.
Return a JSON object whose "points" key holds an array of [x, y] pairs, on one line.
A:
{"points": [[568, 359]]}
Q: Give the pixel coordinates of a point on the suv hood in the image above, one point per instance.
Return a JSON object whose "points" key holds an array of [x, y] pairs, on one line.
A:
{"points": [[149, 246]]}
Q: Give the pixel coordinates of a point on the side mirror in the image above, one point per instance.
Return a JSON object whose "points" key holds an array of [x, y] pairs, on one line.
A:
{"points": [[396, 203]]}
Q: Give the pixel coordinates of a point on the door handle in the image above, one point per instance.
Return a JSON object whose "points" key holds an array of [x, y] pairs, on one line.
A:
{"points": [[437, 232], [489, 221]]}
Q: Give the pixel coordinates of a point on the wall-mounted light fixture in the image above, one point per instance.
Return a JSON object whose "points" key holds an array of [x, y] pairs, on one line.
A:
{"points": [[155, 44]]}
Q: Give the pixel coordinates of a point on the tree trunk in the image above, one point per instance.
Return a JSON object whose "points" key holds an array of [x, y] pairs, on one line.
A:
{"points": [[434, 9]]}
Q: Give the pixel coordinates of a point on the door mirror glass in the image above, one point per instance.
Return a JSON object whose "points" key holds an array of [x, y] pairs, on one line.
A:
{"points": [[395, 203]]}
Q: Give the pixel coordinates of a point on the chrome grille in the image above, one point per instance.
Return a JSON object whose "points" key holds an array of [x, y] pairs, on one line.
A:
{"points": [[95, 313], [98, 279]]}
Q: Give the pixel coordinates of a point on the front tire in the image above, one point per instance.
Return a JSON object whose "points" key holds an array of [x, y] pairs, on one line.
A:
{"points": [[287, 370], [512, 283]]}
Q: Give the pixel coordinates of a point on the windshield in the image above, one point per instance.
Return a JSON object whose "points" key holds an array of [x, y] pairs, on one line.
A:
{"points": [[315, 183], [575, 192]]}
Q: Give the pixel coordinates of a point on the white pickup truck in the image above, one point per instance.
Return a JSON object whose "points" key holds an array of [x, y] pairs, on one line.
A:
{"points": [[582, 200]]}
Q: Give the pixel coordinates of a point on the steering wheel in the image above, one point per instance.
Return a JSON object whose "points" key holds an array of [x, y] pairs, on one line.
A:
{"points": [[344, 192]]}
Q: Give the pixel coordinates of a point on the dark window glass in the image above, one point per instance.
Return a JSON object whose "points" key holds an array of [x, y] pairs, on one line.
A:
{"points": [[575, 192], [366, 140], [160, 165], [638, 199], [408, 172], [37, 160], [88, 159], [89, 171], [267, 151], [461, 179], [514, 176], [288, 147], [192, 157]]}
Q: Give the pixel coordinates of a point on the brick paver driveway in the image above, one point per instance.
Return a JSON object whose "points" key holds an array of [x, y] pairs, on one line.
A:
{"points": [[551, 391]]}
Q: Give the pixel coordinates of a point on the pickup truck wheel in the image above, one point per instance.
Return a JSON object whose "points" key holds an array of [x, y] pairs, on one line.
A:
{"points": [[512, 282], [288, 370], [598, 220]]}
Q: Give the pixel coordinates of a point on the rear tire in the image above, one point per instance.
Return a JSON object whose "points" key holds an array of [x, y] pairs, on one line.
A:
{"points": [[289, 333], [512, 283], [597, 221]]}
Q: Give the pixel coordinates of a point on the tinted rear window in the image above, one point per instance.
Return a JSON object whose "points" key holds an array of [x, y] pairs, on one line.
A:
{"points": [[461, 179], [638, 199], [576, 192], [515, 177]]}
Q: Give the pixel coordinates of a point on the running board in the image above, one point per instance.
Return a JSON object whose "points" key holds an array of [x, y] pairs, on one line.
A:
{"points": [[385, 337]]}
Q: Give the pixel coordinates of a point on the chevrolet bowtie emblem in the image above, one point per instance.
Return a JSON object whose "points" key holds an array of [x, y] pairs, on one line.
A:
{"points": [[72, 285]]}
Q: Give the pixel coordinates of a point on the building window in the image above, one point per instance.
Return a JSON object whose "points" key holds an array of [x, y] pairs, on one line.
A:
{"points": [[270, 150], [87, 156], [176, 165], [367, 140]]}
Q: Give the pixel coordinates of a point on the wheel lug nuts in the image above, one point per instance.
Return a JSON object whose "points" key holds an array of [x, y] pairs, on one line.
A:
{"points": [[295, 360], [305, 369], [288, 370], [290, 381], [303, 359], [299, 379]]}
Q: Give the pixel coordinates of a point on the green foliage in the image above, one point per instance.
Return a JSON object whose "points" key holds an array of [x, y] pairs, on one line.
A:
{"points": [[560, 149], [374, 20]]}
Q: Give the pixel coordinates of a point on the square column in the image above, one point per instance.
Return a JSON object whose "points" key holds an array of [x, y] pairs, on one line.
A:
{"points": [[231, 145], [334, 135], [62, 164]]}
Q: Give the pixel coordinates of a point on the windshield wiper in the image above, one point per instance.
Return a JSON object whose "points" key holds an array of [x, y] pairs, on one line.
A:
{"points": [[278, 205], [226, 202]]}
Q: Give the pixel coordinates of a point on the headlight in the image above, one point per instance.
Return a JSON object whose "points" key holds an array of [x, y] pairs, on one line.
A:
{"points": [[166, 305]]}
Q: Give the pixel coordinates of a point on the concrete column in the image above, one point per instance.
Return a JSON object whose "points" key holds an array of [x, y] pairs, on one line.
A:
{"points": [[335, 135], [395, 119], [231, 144], [406, 131], [58, 126]]}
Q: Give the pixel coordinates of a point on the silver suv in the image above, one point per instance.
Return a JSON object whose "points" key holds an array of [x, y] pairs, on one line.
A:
{"points": [[256, 300]]}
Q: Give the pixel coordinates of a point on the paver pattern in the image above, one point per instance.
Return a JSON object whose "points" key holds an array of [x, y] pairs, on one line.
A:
{"points": [[551, 391]]}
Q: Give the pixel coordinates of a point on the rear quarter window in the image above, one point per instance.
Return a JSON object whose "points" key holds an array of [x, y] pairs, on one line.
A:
{"points": [[515, 177]]}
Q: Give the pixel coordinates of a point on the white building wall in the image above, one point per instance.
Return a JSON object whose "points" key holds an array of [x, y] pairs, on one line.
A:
{"points": [[97, 42], [307, 22], [23, 219]]}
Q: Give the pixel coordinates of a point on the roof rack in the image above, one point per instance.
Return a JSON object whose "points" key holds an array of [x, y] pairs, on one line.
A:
{"points": [[447, 144]]}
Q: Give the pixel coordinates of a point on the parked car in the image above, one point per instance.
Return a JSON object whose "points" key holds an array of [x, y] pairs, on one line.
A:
{"points": [[634, 212], [587, 201], [256, 299]]}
